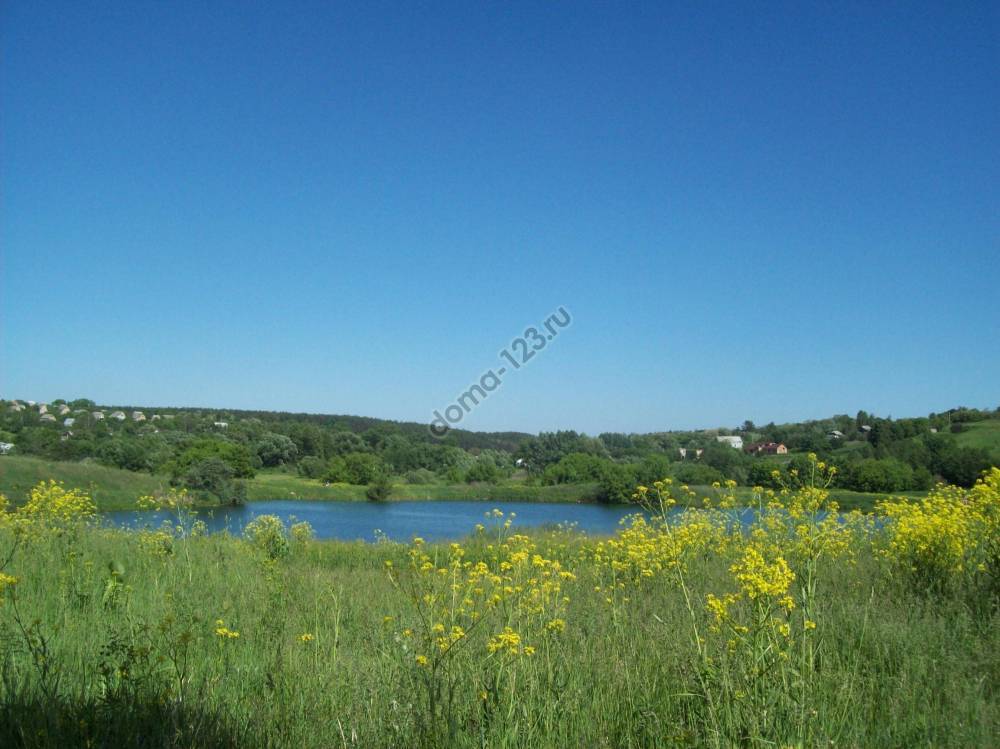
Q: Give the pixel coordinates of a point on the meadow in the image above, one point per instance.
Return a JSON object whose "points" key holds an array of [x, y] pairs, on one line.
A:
{"points": [[805, 630]]}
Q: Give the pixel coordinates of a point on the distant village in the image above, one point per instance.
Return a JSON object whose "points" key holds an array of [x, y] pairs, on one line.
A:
{"points": [[63, 415]]}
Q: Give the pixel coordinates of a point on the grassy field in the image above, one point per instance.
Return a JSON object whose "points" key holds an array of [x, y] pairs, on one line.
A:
{"points": [[550, 640], [984, 434]]}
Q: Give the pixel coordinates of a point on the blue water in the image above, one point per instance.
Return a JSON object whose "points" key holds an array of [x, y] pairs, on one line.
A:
{"points": [[399, 521]]}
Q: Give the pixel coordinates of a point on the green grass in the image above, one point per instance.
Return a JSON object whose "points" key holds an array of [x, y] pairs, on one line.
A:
{"points": [[111, 488], [984, 434], [138, 662], [288, 486]]}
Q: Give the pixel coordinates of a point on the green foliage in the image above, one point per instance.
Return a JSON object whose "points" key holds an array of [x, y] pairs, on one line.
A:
{"points": [[312, 467], [574, 468], [362, 468], [693, 473], [483, 469], [420, 476], [379, 490], [276, 449], [879, 476], [268, 534], [238, 458], [616, 483]]}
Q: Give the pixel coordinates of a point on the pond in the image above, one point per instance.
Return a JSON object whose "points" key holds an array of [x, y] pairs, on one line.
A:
{"points": [[400, 521]]}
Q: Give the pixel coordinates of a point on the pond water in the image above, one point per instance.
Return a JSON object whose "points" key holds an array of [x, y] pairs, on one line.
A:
{"points": [[400, 521]]}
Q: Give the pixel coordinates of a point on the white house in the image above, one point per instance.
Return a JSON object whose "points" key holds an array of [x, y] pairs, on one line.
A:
{"points": [[696, 451], [64, 409], [69, 421], [735, 441], [120, 415], [138, 416], [42, 408], [837, 434], [221, 424], [46, 417], [97, 415], [6, 447]]}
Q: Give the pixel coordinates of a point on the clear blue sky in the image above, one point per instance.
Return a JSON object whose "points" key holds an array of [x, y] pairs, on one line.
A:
{"points": [[773, 213]]}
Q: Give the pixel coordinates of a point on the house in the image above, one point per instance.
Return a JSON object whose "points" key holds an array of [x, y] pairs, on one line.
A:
{"points": [[138, 416], [15, 406], [65, 436], [767, 448], [97, 415], [695, 451], [865, 428], [6, 448], [933, 430], [734, 442], [120, 415], [64, 409], [221, 424], [42, 408], [154, 417], [836, 434], [69, 421], [46, 417]]}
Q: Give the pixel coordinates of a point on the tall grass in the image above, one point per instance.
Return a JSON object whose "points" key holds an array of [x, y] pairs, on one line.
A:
{"points": [[173, 638]]}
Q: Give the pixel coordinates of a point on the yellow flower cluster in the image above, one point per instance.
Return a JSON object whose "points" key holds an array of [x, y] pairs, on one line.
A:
{"points": [[50, 505], [6, 581], [950, 536], [510, 591], [507, 642], [223, 632]]}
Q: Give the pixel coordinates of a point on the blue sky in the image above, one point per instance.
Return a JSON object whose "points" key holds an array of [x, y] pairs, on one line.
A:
{"points": [[775, 213]]}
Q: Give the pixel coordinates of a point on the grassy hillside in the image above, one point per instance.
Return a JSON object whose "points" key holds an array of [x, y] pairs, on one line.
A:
{"points": [[984, 434], [111, 488]]}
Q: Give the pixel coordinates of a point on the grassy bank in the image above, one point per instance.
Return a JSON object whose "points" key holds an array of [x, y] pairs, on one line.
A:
{"points": [[548, 640], [287, 486], [115, 489], [111, 488]]}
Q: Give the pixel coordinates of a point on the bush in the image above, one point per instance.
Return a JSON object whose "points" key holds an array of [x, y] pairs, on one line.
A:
{"points": [[696, 473], [887, 475], [379, 490], [616, 483], [574, 469], [420, 476], [268, 534], [484, 469], [312, 467]]}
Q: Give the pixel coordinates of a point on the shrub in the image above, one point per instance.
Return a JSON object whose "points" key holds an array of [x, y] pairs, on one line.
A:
{"points": [[379, 490], [420, 476], [312, 467], [268, 534]]}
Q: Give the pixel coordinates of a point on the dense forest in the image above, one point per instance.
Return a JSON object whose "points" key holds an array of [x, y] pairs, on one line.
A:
{"points": [[212, 451]]}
